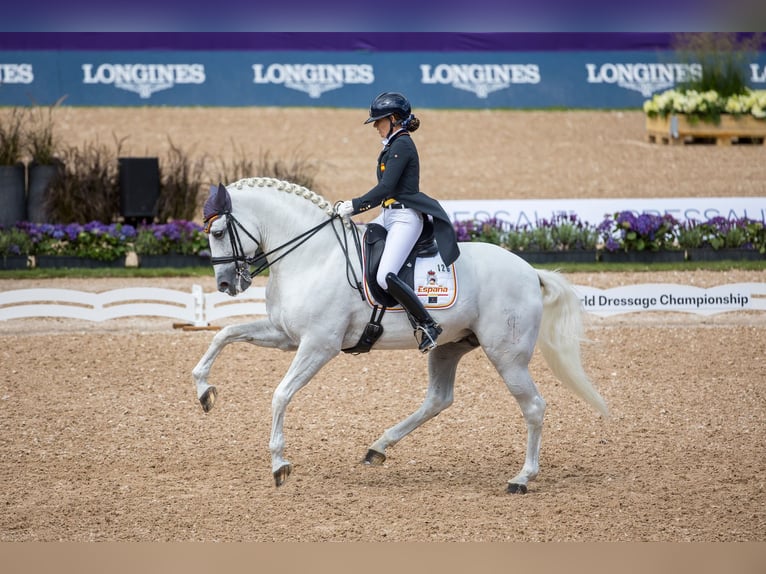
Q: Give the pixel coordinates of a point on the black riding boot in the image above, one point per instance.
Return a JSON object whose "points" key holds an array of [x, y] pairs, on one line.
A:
{"points": [[420, 318]]}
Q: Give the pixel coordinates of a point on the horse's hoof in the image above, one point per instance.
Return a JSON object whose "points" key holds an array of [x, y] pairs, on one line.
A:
{"points": [[281, 474], [207, 400], [374, 458], [516, 488]]}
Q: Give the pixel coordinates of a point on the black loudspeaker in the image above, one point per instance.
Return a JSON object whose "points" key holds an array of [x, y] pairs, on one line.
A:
{"points": [[139, 186]]}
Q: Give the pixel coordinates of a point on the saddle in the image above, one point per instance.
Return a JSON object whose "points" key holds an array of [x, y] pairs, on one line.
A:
{"points": [[374, 242]]}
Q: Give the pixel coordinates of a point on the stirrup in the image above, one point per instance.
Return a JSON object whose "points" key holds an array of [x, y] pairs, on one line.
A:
{"points": [[428, 336]]}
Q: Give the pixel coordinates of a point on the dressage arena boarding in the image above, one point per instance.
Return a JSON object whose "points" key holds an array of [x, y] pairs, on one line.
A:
{"points": [[105, 440]]}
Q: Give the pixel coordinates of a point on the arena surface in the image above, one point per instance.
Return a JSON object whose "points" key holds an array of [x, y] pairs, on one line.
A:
{"points": [[104, 439]]}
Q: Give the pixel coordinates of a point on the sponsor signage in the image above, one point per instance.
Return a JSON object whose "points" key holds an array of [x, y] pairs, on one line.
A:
{"points": [[142, 78], [643, 77], [518, 212], [348, 79], [675, 298]]}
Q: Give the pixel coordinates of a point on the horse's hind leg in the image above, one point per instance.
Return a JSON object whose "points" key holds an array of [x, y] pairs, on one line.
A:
{"points": [[514, 369], [442, 366], [260, 332]]}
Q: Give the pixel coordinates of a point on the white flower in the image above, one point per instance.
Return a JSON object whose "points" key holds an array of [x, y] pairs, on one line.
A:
{"points": [[707, 104]]}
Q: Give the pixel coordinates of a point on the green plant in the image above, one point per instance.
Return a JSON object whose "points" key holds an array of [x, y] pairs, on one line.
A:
{"points": [[240, 167], [14, 241], [181, 179], [176, 237], [720, 233], [87, 188], [517, 239], [12, 136], [562, 233], [94, 240], [627, 231], [690, 235], [723, 57], [42, 143], [297, 169], [541, 238]]}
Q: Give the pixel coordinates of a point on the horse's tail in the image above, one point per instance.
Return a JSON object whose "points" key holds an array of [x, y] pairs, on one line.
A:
{"points": [[561, 332]]}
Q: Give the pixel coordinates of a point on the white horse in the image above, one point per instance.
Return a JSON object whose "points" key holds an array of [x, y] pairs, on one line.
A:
{"points": [[504, 306]]}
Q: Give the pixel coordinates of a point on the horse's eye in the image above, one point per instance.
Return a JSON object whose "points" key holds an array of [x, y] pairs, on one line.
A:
{"points": [[217, 234]]}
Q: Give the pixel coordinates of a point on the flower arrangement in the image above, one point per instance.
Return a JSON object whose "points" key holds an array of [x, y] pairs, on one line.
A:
{"points": [[720, 87], [706, 106], [14, 242], [720, 233], [563, 232], [620, 231], [627, 231], [92, 240], [176, 237], [103, 242]]}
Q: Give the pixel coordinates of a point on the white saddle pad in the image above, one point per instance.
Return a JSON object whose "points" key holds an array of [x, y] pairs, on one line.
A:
{"points": [[434, 283]]}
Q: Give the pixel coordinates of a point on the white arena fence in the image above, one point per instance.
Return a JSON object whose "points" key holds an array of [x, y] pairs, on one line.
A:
{"points": [[199, 309], [195, 308]]}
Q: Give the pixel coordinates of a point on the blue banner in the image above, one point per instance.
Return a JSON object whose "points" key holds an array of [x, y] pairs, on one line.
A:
{"points": [[615, 79]]}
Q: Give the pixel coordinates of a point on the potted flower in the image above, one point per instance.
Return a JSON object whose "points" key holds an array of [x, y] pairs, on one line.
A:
{"points": [[93, 244], [173, 244], [644, 237], [716, 103], [722, 238], [12, 169], [562, 238], [15, 248]]}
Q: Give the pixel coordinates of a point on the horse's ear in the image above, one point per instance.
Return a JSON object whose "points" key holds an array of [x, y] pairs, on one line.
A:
{"points": [[219, 201], [223, 199]]}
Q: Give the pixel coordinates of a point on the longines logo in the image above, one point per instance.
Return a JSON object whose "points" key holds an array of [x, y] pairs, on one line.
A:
{"points": [[758, 74], [646, 78], [143, 79], [314, 79], [16, 74], [481, 79]]}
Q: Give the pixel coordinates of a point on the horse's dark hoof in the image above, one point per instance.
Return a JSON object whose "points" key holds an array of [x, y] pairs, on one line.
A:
{"points": [[374, 458], [281, 474], [516, 488], [207, 400]]}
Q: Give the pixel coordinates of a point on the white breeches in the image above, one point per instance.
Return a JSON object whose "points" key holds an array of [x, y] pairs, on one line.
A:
{"points": [[404, 226]]}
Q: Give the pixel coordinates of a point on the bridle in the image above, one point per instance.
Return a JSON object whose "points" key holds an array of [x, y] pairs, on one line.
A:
{"points": [[262, 261]]}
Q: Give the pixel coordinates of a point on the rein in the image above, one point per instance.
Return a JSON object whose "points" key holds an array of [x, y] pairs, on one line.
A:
{"points": [[260, 259]]}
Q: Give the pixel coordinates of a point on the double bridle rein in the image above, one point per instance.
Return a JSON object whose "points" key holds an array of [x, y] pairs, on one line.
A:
{"points": [[262, 261]]}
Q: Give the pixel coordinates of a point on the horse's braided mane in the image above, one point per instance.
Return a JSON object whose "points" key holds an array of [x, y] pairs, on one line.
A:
{"points": [[293, 188], [287, 187]]}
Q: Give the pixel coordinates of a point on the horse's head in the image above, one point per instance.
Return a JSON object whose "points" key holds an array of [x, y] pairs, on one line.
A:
{"points": [[232, 247]]}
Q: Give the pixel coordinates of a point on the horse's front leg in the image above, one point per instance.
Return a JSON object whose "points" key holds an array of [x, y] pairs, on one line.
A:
{"points": [[309, 359], [261, 332]]}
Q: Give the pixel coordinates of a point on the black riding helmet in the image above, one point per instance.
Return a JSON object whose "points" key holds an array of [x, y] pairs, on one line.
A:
{"points": [[387, 104]]}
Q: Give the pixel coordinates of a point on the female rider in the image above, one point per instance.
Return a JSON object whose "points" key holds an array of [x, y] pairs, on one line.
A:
{"points": [[405, 208]]}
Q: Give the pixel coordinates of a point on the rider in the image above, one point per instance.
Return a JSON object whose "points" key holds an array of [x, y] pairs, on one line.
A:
{"points": [[405, 208]]}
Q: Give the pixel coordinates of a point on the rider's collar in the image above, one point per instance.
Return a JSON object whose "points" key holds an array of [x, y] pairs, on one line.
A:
{"points": [[392, 137]]}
